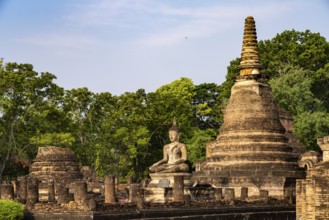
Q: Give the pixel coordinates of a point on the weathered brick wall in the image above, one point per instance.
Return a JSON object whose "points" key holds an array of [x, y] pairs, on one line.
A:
{"points": [[313, 192]]}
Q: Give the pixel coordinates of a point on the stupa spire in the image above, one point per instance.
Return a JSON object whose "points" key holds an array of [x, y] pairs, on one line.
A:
{"points": [[250, 61]]}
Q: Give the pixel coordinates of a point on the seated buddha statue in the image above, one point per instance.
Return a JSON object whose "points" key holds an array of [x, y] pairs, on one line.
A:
{"points": [[174, 155]]}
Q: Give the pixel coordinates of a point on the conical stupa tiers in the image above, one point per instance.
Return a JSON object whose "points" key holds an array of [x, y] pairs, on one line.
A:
{"points": [[251, 149], [250, 63]]}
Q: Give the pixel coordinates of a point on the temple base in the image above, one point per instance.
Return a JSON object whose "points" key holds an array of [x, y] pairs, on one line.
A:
{"points": [[160, 189]]}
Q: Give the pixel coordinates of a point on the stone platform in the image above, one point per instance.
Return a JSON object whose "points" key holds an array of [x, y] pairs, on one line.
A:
{"points": [[160, 189]]}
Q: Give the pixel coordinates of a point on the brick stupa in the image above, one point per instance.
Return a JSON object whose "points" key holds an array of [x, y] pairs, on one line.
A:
{"points": [[54, 164], [251, 149]]}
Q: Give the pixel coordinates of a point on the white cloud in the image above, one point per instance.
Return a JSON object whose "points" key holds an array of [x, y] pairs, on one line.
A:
{"points": [[206, 21], [55, 40], [158, 23], [119, 13]]}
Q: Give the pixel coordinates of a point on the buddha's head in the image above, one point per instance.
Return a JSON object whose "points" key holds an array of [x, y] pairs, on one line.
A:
{"points": [[174, 132]]}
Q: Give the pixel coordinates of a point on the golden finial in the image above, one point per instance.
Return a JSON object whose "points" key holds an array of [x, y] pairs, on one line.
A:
{"points": [[250, 62]]}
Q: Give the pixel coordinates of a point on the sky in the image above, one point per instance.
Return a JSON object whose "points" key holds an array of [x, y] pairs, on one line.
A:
{"points": [[121, 46]]}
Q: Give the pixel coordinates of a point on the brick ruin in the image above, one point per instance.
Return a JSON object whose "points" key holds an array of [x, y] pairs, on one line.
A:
{"points": [[251, 150], [313, 192], [55, 178], [254, 162]]}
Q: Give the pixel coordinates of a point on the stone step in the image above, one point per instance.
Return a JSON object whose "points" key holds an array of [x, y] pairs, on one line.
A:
{"points": [[252, 136], [251, 166], [251, 147], [255, 157], [248, 173]]}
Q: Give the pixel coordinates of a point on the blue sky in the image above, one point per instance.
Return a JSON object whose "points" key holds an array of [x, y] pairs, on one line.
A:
{"points": [[124, 45]]}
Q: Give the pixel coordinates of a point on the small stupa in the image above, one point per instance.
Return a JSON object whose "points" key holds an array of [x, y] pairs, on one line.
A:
{"points": [[251, 150], [57, 165]]}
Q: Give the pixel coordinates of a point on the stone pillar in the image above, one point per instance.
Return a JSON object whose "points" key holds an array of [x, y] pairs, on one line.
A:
{"points": [[324, 145], [130, 180], [178, 188], [80, 192], [51, 191], [22, 189], [218, 194], [62, 193], [187, 200], [140, 198], [7, 191], [289, 194], [244, 193], [229, 195], [263, 194], [109, 185], [133, 193], [15, 184], [63, 196], [32, 191]]}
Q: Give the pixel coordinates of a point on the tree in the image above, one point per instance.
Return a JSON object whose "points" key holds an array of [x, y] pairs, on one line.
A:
{"points": [[28, 104], [206, 105], [293, 91], [320, 85], [196, 145], [309, 126], [307, 50], [78, 104]]}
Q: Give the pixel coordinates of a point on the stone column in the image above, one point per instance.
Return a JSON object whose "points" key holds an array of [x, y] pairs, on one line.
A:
{"points": [[178, 188], [187, 200], [218, 194], [32, 191], [244, 193], [15, 184], [140, 198], [289, 194], [133, 193], [129, 180], [22, 189], [7, 191], [62, 193], [109, 185], [229, 195], [263, 195], [51, 191], [80, 192]]}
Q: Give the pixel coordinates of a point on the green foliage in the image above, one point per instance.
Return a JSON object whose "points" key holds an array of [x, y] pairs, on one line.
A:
{"points": [[293, 91], [196, 146], [53, 139], [320, 85], [11, 210], [29, 105], [206, 104], [307, 50], [310, 126]]}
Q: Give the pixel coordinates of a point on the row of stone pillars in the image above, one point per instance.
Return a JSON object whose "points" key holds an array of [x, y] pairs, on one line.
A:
{"points": [[136, 192], [229, 194], [26, 190]]}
